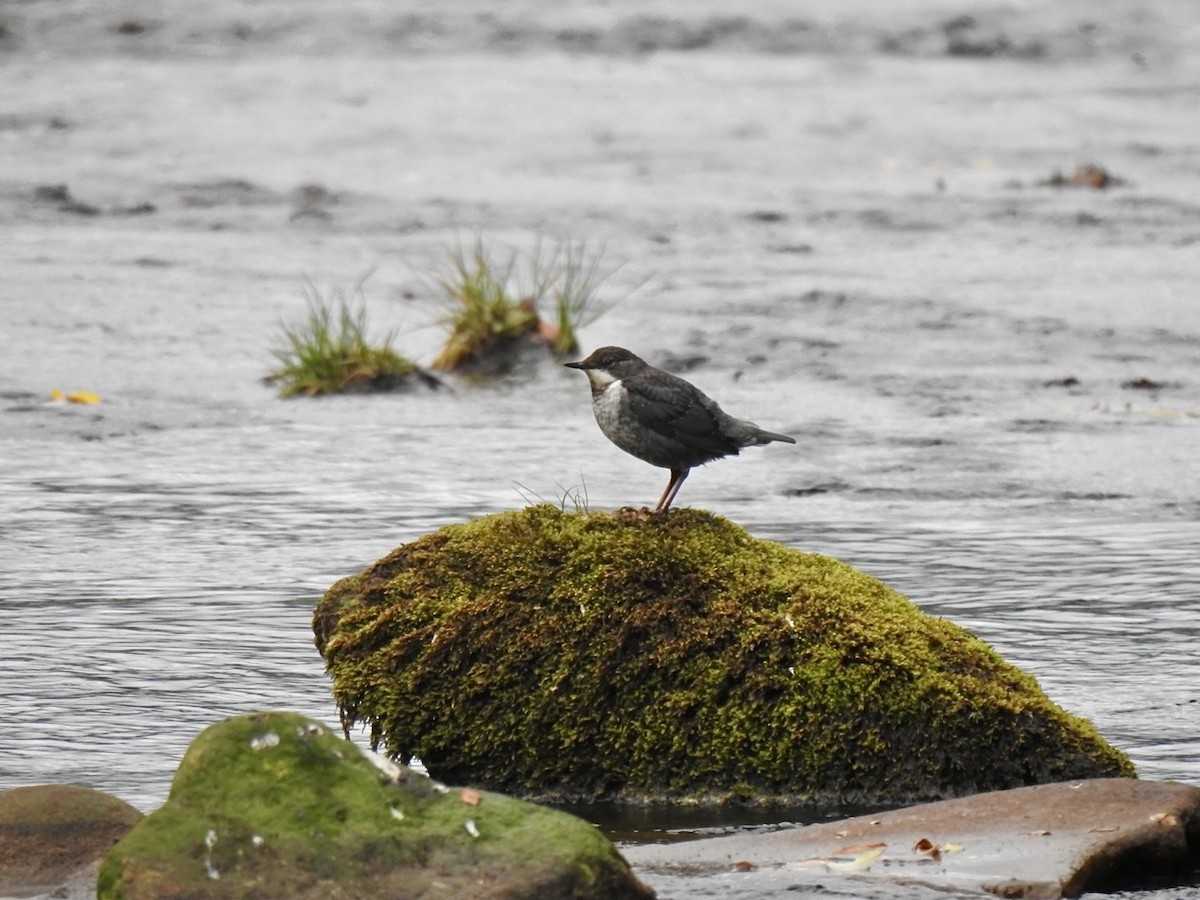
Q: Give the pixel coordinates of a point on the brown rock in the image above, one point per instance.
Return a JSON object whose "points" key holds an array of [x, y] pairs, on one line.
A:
{"points": [[51, 832], [1046, 841]]}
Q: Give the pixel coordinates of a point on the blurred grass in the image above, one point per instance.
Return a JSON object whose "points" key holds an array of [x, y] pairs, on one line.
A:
{"points": [[329, 352], [496, 298]]}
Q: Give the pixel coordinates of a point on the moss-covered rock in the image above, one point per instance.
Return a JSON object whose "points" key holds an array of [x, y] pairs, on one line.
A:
{"points": [[273, 805], [677, 658]]}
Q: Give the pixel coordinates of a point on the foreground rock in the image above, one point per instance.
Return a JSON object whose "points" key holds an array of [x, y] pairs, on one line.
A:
{"points": [[1047, 841], [578, 657], [273, 805], [53, 836]]}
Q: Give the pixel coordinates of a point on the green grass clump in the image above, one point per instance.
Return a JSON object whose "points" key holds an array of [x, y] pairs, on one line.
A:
{"points": [[330, 353], [498, 300]]}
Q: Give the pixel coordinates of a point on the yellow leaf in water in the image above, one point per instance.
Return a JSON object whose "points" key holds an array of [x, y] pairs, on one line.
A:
{"points": [[85, 397], [56, 396], [952, 848], [860, 863]]}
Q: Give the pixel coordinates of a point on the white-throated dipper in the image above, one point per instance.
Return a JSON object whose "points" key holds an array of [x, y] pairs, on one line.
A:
{"points": [[659, 418]]}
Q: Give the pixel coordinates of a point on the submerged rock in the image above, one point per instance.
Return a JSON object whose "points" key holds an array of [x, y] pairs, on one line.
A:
{"points": [[1045, 841], [676, 658], [53, 836], [273, 805]]}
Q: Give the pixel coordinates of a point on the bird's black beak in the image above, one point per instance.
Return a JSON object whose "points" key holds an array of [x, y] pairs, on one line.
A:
{"points": [[574, 365]]}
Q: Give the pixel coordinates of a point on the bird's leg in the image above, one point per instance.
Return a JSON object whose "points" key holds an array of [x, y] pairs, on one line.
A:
{"points": [[677, 478]]}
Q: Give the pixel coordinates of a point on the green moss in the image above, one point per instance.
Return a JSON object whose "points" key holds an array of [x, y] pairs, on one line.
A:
{"points": [[274, 805], [594, 656]]}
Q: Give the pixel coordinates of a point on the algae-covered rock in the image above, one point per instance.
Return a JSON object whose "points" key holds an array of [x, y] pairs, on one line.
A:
{"points": [[273, 805], [678, 658]]}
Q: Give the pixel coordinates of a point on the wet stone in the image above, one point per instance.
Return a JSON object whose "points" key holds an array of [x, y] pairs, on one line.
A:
{"points": [[1045, 841], [53, 835]]}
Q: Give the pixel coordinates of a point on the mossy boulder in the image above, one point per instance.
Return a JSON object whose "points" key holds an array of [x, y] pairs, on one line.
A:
{"points": [[273, 805], [676, 658]]}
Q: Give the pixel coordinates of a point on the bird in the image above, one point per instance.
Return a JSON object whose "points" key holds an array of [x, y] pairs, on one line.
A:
{"points": [[662, 419]]}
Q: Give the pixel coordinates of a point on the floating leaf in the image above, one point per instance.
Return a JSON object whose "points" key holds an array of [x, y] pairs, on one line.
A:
{"points": [[85, 398], [860, 863], [928, 848]]}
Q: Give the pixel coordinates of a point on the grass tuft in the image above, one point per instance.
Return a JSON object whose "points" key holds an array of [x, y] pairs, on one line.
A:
{"points": [[499, 299], [329, 352]]}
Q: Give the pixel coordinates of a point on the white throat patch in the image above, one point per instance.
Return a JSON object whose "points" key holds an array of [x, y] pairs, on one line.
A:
{"points": [[600, 379]]}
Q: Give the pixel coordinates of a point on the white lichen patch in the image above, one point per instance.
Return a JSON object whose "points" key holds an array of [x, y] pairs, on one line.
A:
{"points": [[264, 741], [390, 770], [210, 841]]}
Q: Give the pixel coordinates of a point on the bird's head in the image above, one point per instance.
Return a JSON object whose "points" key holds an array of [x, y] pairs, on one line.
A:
{"points": [[606, 365]]}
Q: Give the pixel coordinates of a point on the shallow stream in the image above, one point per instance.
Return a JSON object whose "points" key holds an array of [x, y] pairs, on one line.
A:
{"points": [[995, 384]]}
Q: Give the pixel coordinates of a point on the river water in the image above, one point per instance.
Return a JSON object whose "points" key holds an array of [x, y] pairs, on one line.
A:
{"points": [[838, 231]]}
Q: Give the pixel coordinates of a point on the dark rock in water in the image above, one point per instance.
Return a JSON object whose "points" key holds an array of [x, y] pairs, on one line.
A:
{"points": [[1046, 841], [508, 356], [273, 805], [54, 835], [1089, 175], [677, 659], [1144, 384], [226, 192]]}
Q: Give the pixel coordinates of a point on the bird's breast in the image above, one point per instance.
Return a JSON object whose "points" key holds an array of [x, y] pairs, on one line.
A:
{"points": [[608, 403]]}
